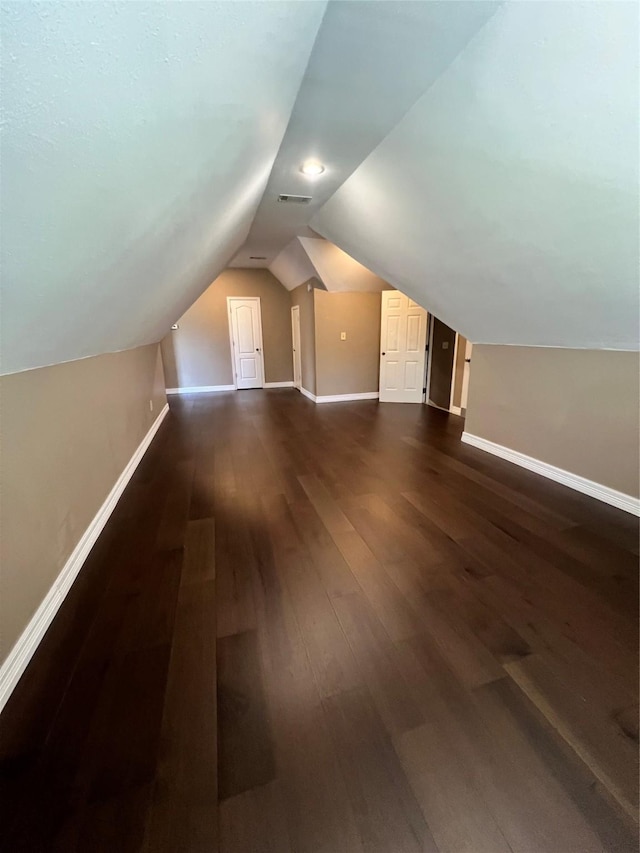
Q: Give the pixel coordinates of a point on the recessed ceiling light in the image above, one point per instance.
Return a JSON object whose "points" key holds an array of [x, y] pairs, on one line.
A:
{"points": [[312, 168]]}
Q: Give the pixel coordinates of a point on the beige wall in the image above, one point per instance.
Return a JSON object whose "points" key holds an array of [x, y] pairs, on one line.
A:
{"points": [[575, 409], [351, 366], [304, 297], [199, 352], [67, 433]]}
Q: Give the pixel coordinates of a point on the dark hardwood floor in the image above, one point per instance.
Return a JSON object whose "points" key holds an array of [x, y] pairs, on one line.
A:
{"points": [[334, 629]]}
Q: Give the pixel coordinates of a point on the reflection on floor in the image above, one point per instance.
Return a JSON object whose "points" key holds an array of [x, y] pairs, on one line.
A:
{"points": [[419, 647]]}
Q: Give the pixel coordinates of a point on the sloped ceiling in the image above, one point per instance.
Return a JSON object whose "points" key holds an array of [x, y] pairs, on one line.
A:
{"points": [[370, 63], [313, 257], [506, 200], [337, 270], [137, 142], [483, 161], [292, 267]]}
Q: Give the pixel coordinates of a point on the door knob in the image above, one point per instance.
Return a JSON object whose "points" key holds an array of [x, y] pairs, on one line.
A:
{"points": [[384, 353], [257, 349]]}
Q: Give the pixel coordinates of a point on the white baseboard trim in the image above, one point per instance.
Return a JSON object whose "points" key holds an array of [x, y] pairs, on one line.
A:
{"points": [[279, 384], [201, 389], [345, 398], [28, 642], [588, 487], [339, 398]]}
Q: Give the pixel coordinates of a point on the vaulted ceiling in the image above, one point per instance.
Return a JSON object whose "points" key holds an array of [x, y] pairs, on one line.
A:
{"points": [[506, 199], [480, 156], [137, 142]]}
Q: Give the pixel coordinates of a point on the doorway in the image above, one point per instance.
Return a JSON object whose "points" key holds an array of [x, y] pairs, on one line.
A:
{"points": [[245, 334], [297, 354], [403, 338], [448, 368]]}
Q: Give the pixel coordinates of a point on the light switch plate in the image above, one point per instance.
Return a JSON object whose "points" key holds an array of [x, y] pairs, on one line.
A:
{"points": [[343, 336]]}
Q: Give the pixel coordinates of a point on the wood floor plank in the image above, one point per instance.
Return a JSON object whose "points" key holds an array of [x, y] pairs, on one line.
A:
{"points": [[254, 821], [467, 656], [319, 815], [388, 815], [515, 794], [505, 707], [329, 653], [235, 605], [245, 748], [422, 647], [182, 811], [451, 803], [375, 654], [198, 564], [602, 744]]}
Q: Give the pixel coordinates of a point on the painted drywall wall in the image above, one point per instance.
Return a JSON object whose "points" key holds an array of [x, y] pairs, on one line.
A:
{"points": [[137, 140], [68, 432], [506, 200], [198, 353], [292, 267], [351, 366], [338, 271], [304, 297], [575, 409]]}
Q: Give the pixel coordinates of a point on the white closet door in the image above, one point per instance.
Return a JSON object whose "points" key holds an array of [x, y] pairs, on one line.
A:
{"points": [[403, 341], [246, 342]]}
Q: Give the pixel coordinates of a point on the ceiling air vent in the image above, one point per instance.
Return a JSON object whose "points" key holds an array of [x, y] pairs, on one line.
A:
{"points": [[294, 199]]}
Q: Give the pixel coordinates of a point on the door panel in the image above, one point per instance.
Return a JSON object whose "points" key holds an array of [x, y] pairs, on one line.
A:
{"points": [[392, 375], [248, 368], [402, 348], [246, 342], [414, 340], [393, 333], [411, 376], [246, 339]]}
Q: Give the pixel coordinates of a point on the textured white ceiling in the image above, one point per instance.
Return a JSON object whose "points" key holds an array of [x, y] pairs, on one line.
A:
{"points": [[137, 141], [292, 267], [314, 257], [370, 63], [506, 200], [337, 270], [483, 161]]}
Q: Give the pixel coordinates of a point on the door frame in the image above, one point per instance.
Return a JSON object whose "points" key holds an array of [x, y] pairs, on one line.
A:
{"points": [[454, 410], [466, 370], [427, 363], [298, 352], [230, 300]]}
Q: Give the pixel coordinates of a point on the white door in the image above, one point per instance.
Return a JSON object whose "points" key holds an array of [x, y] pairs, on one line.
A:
{"points": [[297, 355], [403, 340], [245, 329]]}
